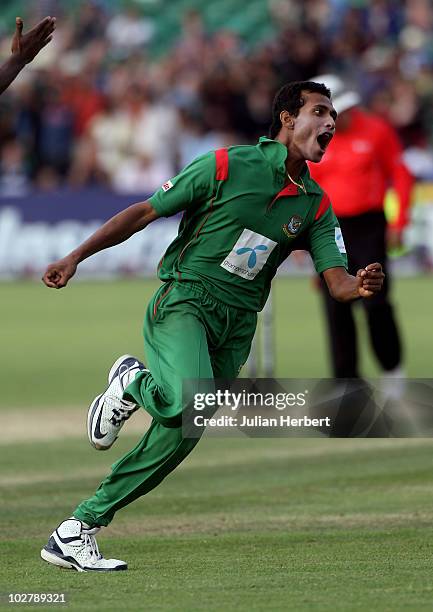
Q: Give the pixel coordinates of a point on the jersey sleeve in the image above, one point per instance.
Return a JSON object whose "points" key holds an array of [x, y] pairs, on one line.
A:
{"points": [[326, 241], [194, 185]]}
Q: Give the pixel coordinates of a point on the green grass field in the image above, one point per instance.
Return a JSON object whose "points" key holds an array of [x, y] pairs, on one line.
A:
{"points": [[58, 343], [243, 524]]}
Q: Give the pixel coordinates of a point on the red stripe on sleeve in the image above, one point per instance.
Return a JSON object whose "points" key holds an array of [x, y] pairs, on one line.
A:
{"points": [[325, 203], [222, 164]]}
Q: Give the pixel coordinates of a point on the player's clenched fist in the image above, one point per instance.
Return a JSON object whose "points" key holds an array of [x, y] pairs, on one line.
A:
{"points": [[370, 280], [58, 273]]}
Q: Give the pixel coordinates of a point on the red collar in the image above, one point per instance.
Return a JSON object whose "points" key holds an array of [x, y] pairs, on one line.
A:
{"points": [[288, 190]]}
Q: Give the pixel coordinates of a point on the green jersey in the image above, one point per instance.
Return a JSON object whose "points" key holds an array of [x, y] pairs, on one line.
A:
{"points": [[242, 220]]}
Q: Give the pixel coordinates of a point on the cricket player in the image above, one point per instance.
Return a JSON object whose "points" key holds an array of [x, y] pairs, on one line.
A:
{"points": [[24, 48], [245, 209]]}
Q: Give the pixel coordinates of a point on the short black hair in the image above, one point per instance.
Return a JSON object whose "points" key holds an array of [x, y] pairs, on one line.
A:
{"points": [[289, 98]]}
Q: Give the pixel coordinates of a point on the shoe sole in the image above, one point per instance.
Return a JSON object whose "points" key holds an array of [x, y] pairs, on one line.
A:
{"points": [[56, 560], [94, 405], [51, 557]]}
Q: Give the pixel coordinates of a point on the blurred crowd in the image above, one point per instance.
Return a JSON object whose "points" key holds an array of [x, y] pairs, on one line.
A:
{"points": [[97, 108]]}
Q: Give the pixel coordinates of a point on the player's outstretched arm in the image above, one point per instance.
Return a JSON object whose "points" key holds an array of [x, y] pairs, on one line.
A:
{"points": [[25, 47], [116, 230], [345, 288]]}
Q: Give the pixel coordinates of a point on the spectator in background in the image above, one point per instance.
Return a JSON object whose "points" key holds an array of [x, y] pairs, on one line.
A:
{"points": [[147, 158], [194, 138], [100, 148], [129, 31], [83, 99], [192, 45], [91, 24], [362, 161], [298, 52], [14, 176], [56, 132]]}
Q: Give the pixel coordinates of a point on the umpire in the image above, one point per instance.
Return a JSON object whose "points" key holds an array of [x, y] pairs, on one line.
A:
{"points": [[362, 161]]}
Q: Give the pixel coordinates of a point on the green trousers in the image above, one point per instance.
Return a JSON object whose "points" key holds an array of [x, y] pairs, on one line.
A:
{"points": [[187, 335]]}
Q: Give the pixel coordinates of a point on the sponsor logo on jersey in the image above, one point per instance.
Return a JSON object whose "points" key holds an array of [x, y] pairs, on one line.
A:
{"points": [[168, 185], [248, 255], [339, 240], [293, 226]]}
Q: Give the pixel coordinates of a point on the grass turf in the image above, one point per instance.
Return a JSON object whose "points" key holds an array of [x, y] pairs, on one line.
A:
{"points": [[242, 525], [57, 345]]}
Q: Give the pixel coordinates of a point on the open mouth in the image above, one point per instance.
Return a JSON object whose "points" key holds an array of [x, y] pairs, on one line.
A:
{"points": [[324, 140]]}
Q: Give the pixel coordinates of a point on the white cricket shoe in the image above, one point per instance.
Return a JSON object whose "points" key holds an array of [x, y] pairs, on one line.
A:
{"points": [[108, 411], [73, 546]]}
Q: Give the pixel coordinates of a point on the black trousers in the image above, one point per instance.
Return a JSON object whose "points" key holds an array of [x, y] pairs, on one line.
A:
{"points": [[365, 239]]}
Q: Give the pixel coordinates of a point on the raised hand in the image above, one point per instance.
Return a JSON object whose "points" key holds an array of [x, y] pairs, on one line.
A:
{"points": [[25, 47]]}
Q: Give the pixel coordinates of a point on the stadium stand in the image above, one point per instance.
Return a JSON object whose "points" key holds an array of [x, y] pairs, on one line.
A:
{"points": [[210, 68]]}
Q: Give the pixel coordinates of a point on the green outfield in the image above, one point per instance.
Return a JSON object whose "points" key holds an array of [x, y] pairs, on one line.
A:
{"points": [[58, 344], [243, 524]]}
